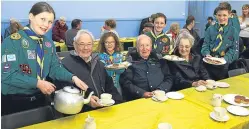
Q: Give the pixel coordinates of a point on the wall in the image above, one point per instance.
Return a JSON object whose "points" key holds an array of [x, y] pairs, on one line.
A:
{"points": [[128, 14]]}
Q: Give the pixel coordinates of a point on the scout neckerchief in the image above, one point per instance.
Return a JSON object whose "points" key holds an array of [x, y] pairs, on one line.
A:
{"points": [[218, 41], [156, 37], [39, 51]]}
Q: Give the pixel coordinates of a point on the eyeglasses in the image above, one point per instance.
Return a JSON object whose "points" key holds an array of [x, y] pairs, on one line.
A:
{"points": [[112, 42], [85, 45], [187, 47]]}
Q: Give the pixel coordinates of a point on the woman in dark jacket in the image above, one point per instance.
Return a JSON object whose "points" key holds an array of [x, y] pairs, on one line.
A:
{"points": [[190, 72], [146, 74]]}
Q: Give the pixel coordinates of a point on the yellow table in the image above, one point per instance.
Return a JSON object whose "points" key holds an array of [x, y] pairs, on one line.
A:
{"points": [[122, 41], [63, 46], [190, 113]]}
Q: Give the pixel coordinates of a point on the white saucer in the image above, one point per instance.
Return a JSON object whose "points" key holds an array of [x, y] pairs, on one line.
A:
{"points": [[175, 95], [224, 119], [158, 100], [107, 104], [221, 84], [237, 110]]}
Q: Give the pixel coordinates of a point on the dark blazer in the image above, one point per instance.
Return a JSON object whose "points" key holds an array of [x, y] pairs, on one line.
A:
{"points": [[145, 76], [188, 72]]}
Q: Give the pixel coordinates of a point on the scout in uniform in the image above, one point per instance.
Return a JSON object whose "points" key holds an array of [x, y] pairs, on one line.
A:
{"points": [[221, 40], [160, 41], [28, 58], [109, 48]]}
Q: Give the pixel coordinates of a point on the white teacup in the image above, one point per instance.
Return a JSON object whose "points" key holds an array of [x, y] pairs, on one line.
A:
{"points": [[220, 112], [106, 96], [216, 100], [159, 94], [164, 126]]}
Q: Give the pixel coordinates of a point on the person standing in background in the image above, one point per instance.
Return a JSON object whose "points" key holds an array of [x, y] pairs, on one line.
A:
{"points": [[244, 25], [71, 33], [59, 30]]}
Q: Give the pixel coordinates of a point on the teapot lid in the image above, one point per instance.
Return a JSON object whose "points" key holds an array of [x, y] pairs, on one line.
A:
{"points": [[71, 89]]}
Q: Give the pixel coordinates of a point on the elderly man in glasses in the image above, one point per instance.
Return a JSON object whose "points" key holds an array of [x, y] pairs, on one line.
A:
{"points": [[86, 65]]}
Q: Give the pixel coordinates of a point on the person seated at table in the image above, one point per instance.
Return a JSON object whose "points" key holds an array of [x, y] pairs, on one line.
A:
{"points": [[59, 30], [71, 33], [221, 40], [87, 66], [110, 26], [174, 31], [146, 74], [160, 41], [148, 27], [190, 72], [109, 48], [7, 31]]}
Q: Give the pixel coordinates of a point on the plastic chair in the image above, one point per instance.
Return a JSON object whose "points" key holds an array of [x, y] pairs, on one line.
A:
{"points": [[63, 54], [28, 117], [236, 72]]}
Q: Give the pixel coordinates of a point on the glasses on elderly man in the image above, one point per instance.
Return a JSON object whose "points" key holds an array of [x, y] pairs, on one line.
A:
{"points": [[84, 45]]}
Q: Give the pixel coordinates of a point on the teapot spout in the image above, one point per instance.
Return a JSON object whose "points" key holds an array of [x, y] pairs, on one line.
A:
{"points": [[86, 101]]}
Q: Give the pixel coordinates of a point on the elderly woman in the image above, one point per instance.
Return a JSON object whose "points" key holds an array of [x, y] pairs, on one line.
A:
{"points": [[190, 72], [146, 74]]}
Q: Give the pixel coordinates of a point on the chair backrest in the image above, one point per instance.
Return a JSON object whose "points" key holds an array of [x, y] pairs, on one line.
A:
{"points": [[236, 72], [26, 118], [63, 54]]}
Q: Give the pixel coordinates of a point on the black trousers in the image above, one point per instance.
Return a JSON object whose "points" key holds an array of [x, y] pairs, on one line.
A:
{"points": [[19, 102], [217, 72], [245, 41]]}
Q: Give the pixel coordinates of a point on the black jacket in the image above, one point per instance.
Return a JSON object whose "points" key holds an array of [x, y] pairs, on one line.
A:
{"points": [[93, 74], [188, 72], [145, 76]]}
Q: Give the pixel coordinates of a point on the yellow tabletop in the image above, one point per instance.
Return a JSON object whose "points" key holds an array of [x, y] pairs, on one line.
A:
{"points": [[190, 113]]}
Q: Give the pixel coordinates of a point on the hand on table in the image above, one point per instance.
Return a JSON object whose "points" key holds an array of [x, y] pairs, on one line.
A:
{"points": [[147, 94]]}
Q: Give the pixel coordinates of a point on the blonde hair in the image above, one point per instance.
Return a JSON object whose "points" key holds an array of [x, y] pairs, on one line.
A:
{"points": [[245, 6], [175, 27]]}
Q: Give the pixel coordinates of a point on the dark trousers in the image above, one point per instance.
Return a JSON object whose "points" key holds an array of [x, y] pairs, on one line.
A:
{"points": [[245, 41], [217, 72], [20, 102]]}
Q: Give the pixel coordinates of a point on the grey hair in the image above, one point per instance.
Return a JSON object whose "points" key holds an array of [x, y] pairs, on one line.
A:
{"points": [[80, 32], [184, 35], [141, 36]]}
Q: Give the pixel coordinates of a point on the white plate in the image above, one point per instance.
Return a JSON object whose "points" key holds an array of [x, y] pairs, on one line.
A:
{"points": [[230, 99], [223, 61], [158, 100], [107, 104], [175, 95], [237, 110], [221, 84], [173, 58], [224, 119], [122, 65]]}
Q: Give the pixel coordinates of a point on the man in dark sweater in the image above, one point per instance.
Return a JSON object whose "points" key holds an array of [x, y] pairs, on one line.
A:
{"points": [[90, 69], [190, 24], [71, 33]]}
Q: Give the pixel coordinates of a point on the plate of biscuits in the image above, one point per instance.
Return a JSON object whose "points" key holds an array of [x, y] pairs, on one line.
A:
{"points": [[214, 60], [237, 100], [122, 65]]}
